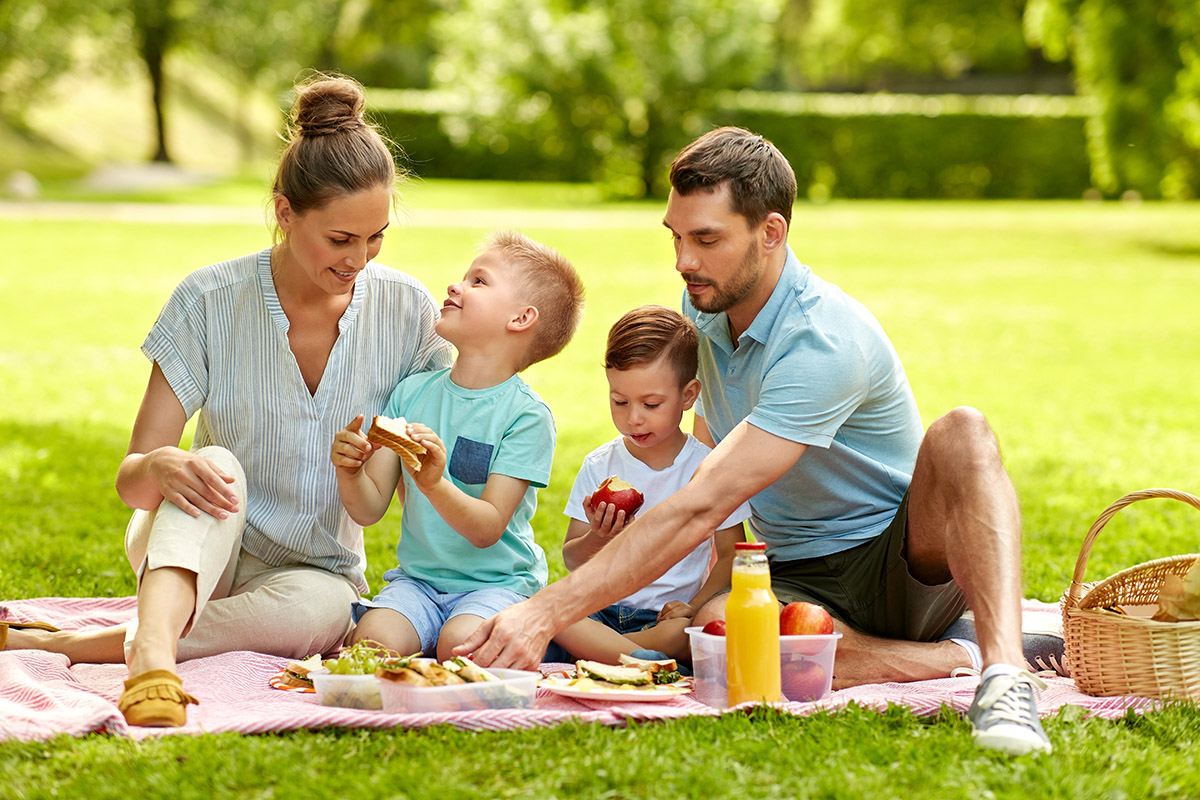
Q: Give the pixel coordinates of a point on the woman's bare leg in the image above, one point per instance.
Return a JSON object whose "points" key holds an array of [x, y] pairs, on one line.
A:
{"points": [[98, 646]]}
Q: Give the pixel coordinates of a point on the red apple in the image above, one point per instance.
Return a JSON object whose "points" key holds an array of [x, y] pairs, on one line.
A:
{"points": [[803, 619], [620, 494], [803, 681], [715, 627]]}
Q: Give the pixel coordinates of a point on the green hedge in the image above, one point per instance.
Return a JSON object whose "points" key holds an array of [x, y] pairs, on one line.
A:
{"points": [[949, 146], [860, 146]]}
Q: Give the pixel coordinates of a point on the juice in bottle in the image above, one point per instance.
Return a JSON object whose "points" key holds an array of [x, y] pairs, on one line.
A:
{"points": [[752, 629]]}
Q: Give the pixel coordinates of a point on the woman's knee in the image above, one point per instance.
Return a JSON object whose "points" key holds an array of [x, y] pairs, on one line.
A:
{"points": [[225, 460]]}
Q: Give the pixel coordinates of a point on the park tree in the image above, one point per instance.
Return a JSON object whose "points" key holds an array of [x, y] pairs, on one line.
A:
{"points": [[1141, 60], [387, 43], [259, 45], [871, 44], [37, 45], [619, 84]]}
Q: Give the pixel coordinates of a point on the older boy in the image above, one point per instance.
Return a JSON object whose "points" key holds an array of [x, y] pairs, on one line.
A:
{"points": [[467, 548]]}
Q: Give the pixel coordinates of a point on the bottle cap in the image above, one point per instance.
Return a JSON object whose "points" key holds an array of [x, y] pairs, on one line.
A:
{"points": [[751, 546]]}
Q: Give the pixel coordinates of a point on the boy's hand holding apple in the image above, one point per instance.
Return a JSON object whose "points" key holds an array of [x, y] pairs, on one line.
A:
{"points": [[611, 507]]}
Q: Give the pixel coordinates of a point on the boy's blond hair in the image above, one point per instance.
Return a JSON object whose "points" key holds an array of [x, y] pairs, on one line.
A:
{"points": [[648, 333], [550, 284]]}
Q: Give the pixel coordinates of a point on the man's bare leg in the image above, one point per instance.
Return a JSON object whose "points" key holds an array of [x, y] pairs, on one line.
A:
{"points": [[964, 522], [870, 659]]}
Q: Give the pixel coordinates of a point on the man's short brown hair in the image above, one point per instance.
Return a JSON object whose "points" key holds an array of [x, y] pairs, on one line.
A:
{"points": [[649, 333], [760, 179], [547, 282]]}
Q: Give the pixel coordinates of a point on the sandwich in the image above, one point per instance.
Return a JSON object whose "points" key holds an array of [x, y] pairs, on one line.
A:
{"points": [[662, 670], [623, 677], [435, 673], [468, 670], [297, 673], [392, 434]]}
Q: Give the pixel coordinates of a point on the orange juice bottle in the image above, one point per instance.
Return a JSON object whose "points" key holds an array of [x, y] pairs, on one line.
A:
{"points": [[752, 629]]}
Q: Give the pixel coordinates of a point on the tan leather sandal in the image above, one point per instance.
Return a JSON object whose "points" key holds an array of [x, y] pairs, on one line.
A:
{"points": [[155, 699], [17, 626]]}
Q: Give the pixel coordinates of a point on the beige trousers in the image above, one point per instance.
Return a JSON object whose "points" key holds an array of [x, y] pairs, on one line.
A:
{"points": [[242, 603]]}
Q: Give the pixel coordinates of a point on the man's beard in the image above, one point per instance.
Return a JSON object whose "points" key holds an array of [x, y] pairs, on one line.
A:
{"points": [[740, 284]]}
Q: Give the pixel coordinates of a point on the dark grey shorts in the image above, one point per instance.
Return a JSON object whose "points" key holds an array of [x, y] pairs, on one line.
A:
{"points": [[869, 587]]}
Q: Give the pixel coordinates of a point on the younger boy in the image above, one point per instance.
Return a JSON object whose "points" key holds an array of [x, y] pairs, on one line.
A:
{"points": [[467, 549], [650, 362]]}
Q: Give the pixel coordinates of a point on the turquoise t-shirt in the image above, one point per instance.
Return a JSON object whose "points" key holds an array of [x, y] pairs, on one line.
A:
{"points": [[815, 368], [505, 429]]}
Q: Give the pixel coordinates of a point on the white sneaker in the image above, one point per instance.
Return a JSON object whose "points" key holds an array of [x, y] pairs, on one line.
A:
{"points": [[1004, 715]]}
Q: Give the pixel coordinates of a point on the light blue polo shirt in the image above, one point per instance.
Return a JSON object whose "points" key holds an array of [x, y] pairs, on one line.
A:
{"points": [[816, 368]]}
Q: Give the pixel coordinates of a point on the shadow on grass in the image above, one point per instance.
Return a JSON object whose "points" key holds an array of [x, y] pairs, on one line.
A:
{"points": [[63, 527]]}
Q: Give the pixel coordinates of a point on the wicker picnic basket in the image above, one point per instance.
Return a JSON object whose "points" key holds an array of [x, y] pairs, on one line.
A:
{"points": [[1111, 653]]}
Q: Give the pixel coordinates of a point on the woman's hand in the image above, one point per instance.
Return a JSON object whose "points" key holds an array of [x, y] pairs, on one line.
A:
{"points": [[605, 520], [350, 448], [433, 463], [192, 482]]}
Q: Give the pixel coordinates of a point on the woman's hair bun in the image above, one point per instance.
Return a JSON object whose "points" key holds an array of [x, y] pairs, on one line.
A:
{"points": [[328, 105]]}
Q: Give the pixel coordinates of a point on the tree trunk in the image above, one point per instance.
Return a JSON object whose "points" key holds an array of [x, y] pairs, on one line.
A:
{"points": [[154, 29]]}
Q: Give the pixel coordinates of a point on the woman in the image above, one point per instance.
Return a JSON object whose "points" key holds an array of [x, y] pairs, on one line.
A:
{"points": [[242, 544]]}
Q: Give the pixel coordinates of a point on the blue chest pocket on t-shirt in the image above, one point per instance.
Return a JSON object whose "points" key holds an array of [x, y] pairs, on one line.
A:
{"points": [[469, 461]]}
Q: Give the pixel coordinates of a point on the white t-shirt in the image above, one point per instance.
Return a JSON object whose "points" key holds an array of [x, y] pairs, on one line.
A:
{"points": [[682, 581]]}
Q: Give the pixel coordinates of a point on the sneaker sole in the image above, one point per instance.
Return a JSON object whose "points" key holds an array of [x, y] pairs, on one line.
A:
{"points": [[1012, 745]]}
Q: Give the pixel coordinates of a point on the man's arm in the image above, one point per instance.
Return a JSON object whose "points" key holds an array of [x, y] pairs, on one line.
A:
{"points": [[744, 463]]}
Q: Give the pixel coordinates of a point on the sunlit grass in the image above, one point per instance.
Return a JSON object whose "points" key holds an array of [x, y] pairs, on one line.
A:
{"points": [[1072, 326]]}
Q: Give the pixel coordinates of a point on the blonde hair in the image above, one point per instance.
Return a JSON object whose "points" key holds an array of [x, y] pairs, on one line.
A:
{"points": [[550, 284], [332, 149]]}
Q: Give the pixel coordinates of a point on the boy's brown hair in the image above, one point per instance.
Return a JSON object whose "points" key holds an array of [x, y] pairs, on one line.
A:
{"points": [[550, 284], [648, 333], [760, 179]]}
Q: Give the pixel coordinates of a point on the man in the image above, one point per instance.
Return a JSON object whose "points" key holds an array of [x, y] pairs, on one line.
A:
{"points": [[813, 422]]}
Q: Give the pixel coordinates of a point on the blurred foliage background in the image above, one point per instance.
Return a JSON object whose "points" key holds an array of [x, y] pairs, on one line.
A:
{"points": [[868, 98]]}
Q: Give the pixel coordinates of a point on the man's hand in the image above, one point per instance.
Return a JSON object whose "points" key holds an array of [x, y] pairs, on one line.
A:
{"points": [[516, 638], [350, 448]]}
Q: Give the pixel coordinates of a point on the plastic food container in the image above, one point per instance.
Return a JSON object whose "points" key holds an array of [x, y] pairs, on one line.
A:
{"points": [[515, 689], [347, 691], [805, 667]]}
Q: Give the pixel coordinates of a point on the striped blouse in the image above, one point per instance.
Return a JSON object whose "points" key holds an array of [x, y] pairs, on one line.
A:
{"points": [[221, 341]]}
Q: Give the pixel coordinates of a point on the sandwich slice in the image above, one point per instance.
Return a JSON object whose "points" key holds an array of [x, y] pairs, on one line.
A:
{"points": [[297, 673], [392, 434], [468, 670]]}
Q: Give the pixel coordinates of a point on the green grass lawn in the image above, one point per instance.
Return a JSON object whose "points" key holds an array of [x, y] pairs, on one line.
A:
{"points": [[1072, 326]]}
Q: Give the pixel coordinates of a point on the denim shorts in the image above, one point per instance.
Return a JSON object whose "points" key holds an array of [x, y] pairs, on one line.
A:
{"points": [[626, 619], [428, 609]]}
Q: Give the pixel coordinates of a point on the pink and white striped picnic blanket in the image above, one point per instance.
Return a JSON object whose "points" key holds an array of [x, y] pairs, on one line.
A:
{"points": [[42, 696]]}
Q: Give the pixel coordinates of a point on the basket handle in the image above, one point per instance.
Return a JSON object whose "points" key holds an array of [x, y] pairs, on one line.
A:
{"points": [[1075, 592]]}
